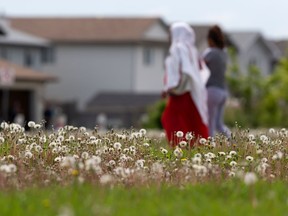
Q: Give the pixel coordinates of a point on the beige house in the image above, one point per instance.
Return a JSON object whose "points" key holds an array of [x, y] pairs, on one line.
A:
{"points": [[22, 83], [92, 55]]}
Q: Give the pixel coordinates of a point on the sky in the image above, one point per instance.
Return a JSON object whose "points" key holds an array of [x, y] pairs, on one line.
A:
{"points": [[266, 16]]}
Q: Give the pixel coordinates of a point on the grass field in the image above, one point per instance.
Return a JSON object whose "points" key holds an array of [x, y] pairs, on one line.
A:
{"points": [[73, 171]]}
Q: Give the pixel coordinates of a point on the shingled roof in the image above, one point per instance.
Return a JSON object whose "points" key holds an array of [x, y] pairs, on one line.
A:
{"points": [[27, 74], [71, 29], [122, 100]]}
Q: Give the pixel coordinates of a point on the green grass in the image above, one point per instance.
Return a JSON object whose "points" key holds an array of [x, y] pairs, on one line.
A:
{"points": [[228, 198]]}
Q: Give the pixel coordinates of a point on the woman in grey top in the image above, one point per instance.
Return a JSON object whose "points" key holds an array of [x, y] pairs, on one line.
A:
{"points": [[215, 58]]}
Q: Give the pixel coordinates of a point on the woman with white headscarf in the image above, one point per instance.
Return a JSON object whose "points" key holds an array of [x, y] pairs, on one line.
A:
{"points": [[186, 108]]}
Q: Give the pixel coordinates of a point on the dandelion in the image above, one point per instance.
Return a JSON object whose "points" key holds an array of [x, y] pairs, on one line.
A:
{"points": [[233, 163], [74, 172], [143, 131], [37, 126], [249, 158], [251, 137], [4, 125], [117, 145], [164, 151], [85, 155], [232, 153], [231, 174], [31, 124], [189, 136], [259, 151], [2, 140], [105, 179], [179, 134], [146, 144], [111, 163], [221, 153], [28, 154], [82, 129], [140, 163], [202, 141], [263, 138], [198, 155], [196, 160], [272, 131], [250, 178], [183, 144], [178, 152]]}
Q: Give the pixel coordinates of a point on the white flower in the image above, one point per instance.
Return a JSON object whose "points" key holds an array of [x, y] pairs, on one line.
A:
{"points": [[221, 153], [106, 179], [250, 178], [263, 138], [84, 155], [2, 140], [232, 153], [183, 144], [28, 154], [140, 163], [4, 125], [117, 145], [202, 141], [37, 126], [259, 151], [178, 152], [231, 174], [164, 151], [233, 163], [111, 163], [272, 130], [179, 134], [196, 160], [251, 137], [82, 129], [146, 144], [143, 131], [198, 155], [249, 158], [189, 136], [31, 124]]}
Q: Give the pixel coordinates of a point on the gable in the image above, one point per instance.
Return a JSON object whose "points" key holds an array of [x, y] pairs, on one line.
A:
{"points": [[156, 32]]}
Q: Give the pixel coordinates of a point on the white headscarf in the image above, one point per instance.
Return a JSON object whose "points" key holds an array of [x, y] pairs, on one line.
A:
{"points": [[184, 57]]}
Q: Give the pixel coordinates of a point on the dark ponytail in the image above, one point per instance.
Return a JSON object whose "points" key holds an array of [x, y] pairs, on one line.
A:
{"points": [[215, 34]]}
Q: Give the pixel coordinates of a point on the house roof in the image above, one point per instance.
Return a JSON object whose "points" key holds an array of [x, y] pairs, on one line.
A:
{"points": [[124, 100], [244, 41], [27, 74], [11, 36], [71, 29], [282, 46]]}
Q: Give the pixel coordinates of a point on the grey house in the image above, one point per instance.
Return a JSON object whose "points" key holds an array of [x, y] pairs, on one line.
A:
{"points": [[22, 56], [254, 49]]}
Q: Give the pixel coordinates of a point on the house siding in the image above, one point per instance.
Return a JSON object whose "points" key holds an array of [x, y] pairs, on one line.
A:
{"points": [[149, 78], [84, 70]]}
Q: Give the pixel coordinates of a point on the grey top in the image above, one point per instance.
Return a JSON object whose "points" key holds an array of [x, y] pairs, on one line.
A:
{"points": [[216, 60]]}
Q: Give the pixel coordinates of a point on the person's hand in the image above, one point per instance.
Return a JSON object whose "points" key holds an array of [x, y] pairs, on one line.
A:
{"points": [[164, 94]]}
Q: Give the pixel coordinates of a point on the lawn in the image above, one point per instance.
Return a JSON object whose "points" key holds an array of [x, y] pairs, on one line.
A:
{"points": [[74, 171]]}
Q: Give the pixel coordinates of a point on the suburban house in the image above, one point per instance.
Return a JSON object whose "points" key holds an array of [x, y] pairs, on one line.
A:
{"points": [[254, 50], [21, 80], [94, 55]]}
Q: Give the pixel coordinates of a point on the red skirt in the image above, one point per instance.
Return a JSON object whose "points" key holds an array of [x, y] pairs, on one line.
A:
{"points": [[181, 114]]}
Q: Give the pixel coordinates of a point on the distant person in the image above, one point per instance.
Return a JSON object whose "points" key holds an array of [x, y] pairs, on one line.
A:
{"points": [[48, 115], [216, 58], [186, 108], [16, 114]]}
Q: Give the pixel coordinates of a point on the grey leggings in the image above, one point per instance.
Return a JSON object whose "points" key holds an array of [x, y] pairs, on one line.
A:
{"points": [[216, 104]]}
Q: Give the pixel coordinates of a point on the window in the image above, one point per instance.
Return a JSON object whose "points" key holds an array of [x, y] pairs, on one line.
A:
{"points": [[3, 53], [28, 59], [47, 55], [148, 56]]}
